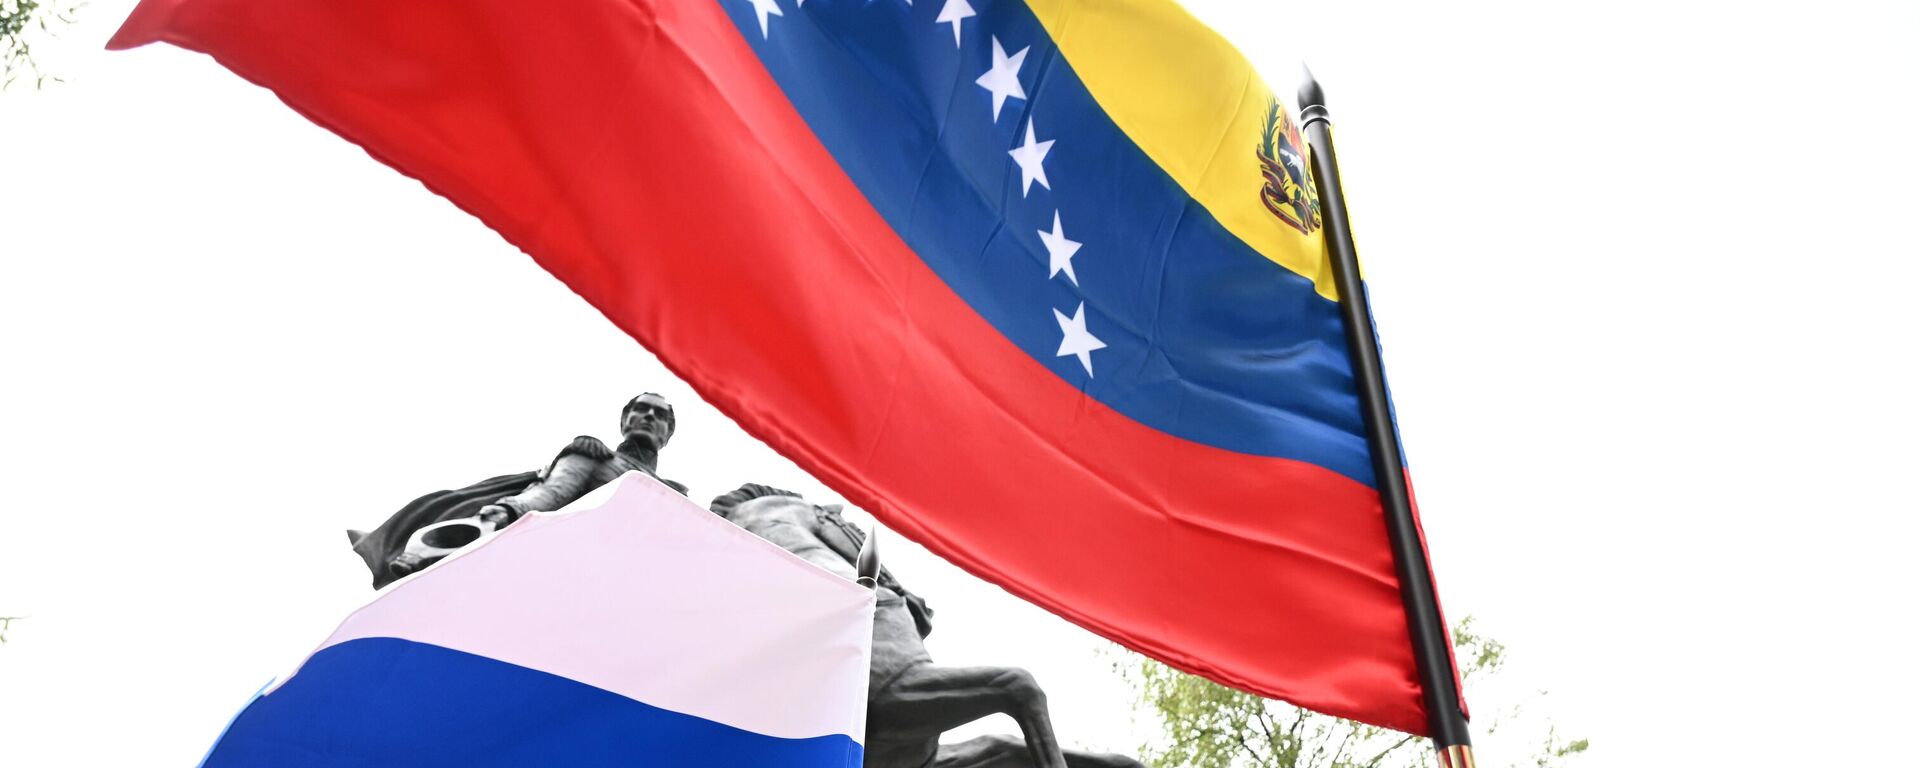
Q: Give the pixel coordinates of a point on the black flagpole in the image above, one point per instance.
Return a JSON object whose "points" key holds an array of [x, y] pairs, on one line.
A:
{"points": [[1439, 691]]}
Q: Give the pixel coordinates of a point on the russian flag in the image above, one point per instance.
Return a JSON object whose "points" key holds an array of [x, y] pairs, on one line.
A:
{"points": [[631, 628], [1039, 283]]}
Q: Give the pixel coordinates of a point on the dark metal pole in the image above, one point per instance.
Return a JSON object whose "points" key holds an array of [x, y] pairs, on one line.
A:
{"points": [[866, 564], [1440, 691]]}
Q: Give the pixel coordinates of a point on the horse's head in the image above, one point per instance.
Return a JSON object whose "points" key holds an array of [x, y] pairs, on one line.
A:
{"points": [[821, 536], [810, 531], [755, 503]]}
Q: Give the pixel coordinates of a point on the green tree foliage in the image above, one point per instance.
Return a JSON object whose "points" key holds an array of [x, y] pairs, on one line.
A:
{"points": [[21, 22], [1207, 725]]}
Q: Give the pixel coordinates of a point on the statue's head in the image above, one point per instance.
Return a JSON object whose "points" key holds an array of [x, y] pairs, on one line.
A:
{"points": [[647, 421]]}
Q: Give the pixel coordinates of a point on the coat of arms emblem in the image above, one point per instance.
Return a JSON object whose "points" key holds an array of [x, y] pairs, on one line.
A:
{"points": [[1288, 193]]}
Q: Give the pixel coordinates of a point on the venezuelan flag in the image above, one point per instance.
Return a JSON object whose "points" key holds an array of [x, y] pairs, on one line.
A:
{"points": [[1040, 284]]}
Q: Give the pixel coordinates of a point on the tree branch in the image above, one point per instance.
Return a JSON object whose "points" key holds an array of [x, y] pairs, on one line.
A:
{"points": [[1250, 753], [1389, 750], [1343, 748]]}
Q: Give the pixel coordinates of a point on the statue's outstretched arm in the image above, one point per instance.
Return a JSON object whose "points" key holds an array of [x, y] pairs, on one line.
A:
{"points": [[573, 473]]}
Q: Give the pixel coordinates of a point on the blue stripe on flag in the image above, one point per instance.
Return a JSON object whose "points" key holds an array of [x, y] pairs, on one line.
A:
{"points": [[229, 726], [1206, 339], [385, 701]]}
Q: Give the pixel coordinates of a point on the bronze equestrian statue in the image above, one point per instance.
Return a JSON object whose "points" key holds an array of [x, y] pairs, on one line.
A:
{"points": [[910, 700], [434, 525]]}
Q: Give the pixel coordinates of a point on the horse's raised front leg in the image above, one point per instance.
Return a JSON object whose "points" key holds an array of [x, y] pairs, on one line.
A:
{"points": [[1009, 752], [926, 701]]}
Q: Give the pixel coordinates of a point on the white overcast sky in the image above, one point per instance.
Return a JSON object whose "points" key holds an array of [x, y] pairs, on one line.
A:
{"points": [[1644, 273]]}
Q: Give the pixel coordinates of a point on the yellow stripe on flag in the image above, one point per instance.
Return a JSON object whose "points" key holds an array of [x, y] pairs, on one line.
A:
{"points": [[1191, 102]]}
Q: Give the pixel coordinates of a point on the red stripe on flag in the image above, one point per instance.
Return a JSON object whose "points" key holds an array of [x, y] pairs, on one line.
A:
{"points": [[640, 153]]}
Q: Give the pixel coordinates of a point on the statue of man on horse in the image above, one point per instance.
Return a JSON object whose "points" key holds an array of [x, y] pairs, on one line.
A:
{"points": [[911, 700]]}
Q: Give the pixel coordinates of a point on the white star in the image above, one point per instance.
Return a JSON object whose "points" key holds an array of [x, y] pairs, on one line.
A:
{"points": [[766, 8], [1032, 158], [1074, 339], [1060, 251], [1004, 78], [952, 13]]}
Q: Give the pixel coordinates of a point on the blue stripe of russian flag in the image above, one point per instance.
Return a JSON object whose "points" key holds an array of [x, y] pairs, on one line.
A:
{"points": [[390, 702]]}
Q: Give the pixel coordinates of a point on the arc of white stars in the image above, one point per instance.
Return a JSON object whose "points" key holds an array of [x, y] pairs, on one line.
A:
{"points": [[1074, 338], [952, 13], [765, 8], [1032, 157], [1060, 251], [1003, 78]]}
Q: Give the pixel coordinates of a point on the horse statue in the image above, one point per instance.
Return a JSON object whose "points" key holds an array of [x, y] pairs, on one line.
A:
{"points": [[910, 700]]}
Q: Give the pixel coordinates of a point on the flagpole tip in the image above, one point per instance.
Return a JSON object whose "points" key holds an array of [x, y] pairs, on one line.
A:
{"points": [[1313, 100], [1310, 93], [866, 564]]}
